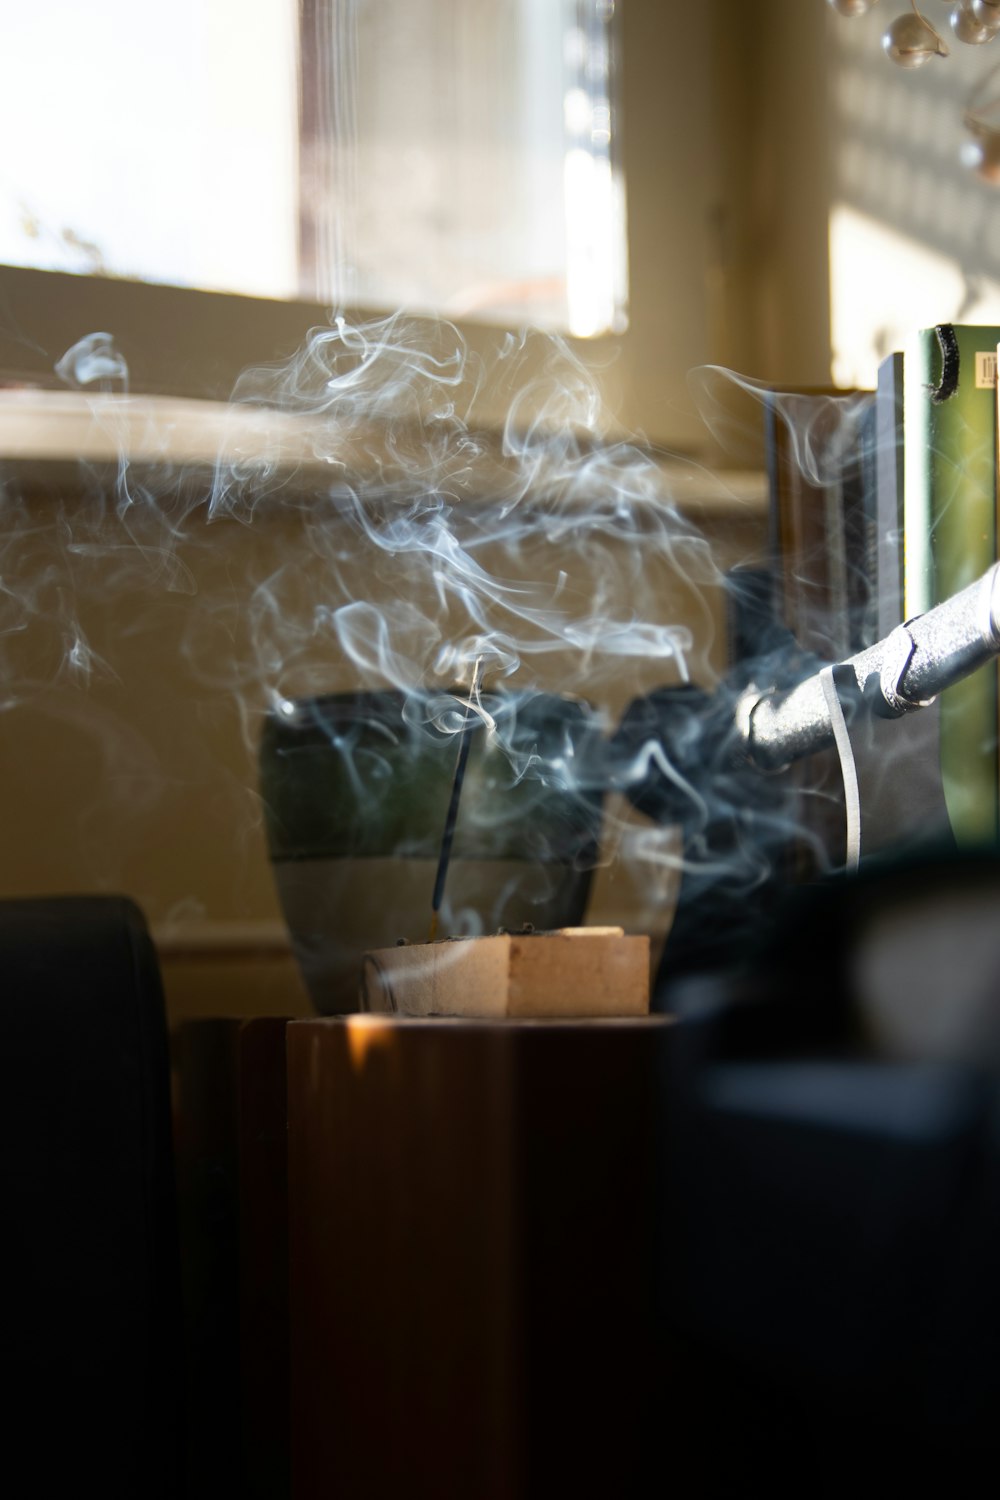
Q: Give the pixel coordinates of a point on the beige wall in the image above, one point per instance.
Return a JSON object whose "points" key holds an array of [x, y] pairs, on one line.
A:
{"points": [[727, 166], [772, 76]]}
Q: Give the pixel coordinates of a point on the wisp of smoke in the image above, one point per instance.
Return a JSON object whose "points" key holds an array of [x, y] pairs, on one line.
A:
{"points": [[386, 543]]}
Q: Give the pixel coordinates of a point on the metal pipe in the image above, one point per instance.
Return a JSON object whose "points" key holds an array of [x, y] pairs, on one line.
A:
{"points": [[905, 671]]}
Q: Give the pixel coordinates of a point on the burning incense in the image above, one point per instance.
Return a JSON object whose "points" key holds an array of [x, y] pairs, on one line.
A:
{"points": [[465, 744]]}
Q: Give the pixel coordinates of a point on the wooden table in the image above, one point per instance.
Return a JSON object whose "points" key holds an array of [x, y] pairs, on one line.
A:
{"points": [[470, 1247]]}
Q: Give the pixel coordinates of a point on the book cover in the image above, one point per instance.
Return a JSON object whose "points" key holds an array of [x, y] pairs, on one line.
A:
{"points": [[950, 538], [859, 503], [889, 429], [817, 551]]}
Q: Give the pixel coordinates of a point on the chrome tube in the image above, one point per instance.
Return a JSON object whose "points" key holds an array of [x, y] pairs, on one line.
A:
{"points": [[905, 671]]}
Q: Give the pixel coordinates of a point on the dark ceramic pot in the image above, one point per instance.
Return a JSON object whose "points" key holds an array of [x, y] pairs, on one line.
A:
{"points": [[356, 789]]}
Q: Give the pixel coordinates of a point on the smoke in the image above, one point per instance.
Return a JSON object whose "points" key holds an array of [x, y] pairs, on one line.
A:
{"points": [[822, 430], [354, 528], [94, 362], [530, 546]]}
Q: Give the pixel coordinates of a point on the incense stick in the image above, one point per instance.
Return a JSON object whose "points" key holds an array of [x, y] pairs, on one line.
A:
{"points": [[456, 791]]}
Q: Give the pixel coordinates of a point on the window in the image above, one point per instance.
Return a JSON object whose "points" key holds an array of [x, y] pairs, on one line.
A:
{"points": [[449, 156], [154, 143]]}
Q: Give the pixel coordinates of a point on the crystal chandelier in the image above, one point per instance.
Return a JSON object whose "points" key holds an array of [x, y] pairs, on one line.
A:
{"points": [[911, 40]]}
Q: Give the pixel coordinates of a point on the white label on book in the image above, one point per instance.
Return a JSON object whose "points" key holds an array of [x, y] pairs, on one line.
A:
{"points": [[986, 369]]}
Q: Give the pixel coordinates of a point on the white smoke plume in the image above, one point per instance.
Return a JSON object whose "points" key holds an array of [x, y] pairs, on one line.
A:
{"points": [[386, 542]]}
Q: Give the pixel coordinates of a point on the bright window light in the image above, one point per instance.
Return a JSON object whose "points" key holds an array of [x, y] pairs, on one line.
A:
{"points": [[454, 157], [884, 285], [156, 143], [913, 234]]}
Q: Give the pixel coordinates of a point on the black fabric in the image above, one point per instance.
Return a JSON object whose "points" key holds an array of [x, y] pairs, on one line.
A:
{"points": [[89, 1351]]}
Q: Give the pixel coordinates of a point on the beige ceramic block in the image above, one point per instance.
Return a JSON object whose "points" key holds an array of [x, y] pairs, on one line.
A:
{"points": [[576, 971]]}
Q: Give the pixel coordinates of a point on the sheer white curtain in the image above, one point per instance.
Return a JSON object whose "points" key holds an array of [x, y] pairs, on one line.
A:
{"points": [[460, 158]]}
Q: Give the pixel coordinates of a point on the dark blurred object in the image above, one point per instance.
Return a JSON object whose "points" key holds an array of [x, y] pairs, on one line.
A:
{"points": [[734, 823], [830, 1192], [90, 1347], [678, 756], [205, 1059], [754, 630], [230, 1118], [899, 962], [356, 788]]}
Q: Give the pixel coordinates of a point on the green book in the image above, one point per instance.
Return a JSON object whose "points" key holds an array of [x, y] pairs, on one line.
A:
{"points": [[950, 538], [889, 430]]}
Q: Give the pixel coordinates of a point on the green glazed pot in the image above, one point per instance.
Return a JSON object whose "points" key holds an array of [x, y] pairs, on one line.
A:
{"points": [[356, 788]]}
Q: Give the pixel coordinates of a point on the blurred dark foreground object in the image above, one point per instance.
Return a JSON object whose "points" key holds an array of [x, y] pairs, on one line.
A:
{"points": [[230, 1141], [90, 1345], [829, 1193], [899, 962], [677, 756]]}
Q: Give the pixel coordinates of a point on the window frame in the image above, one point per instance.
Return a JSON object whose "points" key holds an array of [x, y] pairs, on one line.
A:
{"points": [[685, 148]]}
